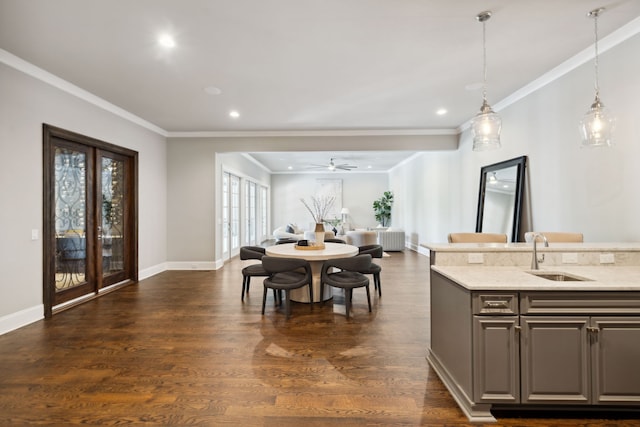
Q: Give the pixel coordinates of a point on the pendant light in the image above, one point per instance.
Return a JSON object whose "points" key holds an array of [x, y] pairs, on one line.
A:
{"points": [[486, 124], [598, 123]]}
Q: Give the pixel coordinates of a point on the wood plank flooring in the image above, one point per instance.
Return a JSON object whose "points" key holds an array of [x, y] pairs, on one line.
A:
{"points": [[180, 348]]}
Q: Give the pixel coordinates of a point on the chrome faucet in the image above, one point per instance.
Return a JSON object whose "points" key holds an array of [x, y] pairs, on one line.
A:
{"points": [[534, 259]]}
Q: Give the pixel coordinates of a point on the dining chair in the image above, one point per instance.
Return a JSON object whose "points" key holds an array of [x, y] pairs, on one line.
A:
{"points": [[286, 274], [556, 236], [477, 238], [335, 240], [253, 270], [350, 275], [376, 252], [285, 241]]}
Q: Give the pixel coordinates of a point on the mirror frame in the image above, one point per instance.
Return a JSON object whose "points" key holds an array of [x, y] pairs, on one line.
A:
{"points": [[521, 163]]}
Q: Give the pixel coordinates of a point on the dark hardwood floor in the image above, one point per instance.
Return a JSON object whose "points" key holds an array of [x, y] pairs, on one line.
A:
{"points": [[181, 348]]}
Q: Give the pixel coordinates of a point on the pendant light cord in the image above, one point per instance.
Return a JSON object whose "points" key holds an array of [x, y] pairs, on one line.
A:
{"points": [[595, 26], [484, 61]]}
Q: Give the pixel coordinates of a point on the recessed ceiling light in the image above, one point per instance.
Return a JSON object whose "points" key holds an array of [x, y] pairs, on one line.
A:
{"points": [[234, 114], [369, 167], [212, 90], [290, 167], [441, 111], [165, 40]]}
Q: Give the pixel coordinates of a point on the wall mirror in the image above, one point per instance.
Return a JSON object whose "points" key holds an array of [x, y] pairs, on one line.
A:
{"points": [[500, 198]]}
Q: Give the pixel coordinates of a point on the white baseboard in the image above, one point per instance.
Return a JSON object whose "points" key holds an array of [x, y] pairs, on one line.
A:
{"points": [[192, 265], [420, 249], [21, 318], [152, 271]]}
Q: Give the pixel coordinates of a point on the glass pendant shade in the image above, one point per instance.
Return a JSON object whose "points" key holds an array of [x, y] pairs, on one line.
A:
{"points": [[486, 126], [597, 126]]}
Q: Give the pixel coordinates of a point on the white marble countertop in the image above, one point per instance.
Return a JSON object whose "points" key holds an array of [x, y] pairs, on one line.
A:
{"points": [[517, 279], [527, 247]]}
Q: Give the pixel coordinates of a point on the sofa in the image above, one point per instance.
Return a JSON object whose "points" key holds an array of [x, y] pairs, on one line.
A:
{"points": [[281, 233], [291, 231]]}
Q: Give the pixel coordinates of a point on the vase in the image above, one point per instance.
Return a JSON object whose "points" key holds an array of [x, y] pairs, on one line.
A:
{"points": [[319, 234]]}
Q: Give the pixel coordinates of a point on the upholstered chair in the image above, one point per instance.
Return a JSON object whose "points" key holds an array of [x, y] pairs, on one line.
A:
{"points": [[253, 270], [361, 237], [349, 274], [556, 237], [376, 252], [477, 238], [286, 274]]}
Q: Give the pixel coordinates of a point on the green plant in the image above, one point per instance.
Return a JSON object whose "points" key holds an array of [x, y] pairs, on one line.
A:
{"points": [[382, 208]]}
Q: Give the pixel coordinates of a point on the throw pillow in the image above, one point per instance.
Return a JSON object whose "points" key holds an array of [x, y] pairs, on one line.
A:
{"points": [[290, 229]]}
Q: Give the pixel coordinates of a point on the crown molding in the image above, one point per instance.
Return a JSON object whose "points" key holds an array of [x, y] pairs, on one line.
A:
{"points": [[303, 133], [38, 73]]}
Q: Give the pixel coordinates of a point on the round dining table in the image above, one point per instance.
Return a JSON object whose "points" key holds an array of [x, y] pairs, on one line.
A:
{"points": [[316, 258]]}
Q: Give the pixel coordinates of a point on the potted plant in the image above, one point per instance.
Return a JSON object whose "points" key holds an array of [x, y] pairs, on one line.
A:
{"points": [[382, 208]]}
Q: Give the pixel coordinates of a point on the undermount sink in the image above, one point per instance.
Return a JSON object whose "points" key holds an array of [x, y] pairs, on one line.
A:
{"points": [[558, 277]]}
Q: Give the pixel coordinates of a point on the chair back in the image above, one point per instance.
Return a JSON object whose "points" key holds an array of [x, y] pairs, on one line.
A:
{"points": [[335, 240], [477, 238], [273, 265], [358, 263], [285, 241], [374, 250], [251, 252], [556, 237]]}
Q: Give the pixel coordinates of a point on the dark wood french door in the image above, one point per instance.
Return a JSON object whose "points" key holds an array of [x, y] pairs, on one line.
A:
{"points": [[90, 217]]}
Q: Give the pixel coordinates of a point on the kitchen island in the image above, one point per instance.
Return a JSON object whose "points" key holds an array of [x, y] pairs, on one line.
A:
{"points": [[566, 336]]}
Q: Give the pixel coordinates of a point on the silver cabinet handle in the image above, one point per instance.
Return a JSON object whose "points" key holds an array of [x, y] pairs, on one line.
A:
{"points": [[496, 304]]}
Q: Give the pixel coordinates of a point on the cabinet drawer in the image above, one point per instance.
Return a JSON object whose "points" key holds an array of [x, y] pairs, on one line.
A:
{"points": [[580, 303], [495, 304]]}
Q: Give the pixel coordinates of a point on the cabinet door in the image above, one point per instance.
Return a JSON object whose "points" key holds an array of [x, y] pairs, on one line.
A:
{"points": [[555, 359], [615, 356], [496, 359]]}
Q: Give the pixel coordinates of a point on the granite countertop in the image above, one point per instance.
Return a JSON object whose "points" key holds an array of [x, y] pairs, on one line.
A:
{"points": [[491, 278], [527, 247]]}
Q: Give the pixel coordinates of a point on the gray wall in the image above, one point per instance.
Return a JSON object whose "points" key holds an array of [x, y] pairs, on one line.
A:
{"points": [[194, 168], [359, 190], [26, 103], [593, 191]]}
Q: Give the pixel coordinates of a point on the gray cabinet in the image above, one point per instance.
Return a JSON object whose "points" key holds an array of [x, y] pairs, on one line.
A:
{"points": [[523, 348], [555, 359], [496, 359], [615, 360], [580, 360], [570, 355]]}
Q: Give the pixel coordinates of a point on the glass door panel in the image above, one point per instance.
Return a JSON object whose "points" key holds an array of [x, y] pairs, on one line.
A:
{"points": [[235, 214], [225, 216], [112, 220], [70, 218]]}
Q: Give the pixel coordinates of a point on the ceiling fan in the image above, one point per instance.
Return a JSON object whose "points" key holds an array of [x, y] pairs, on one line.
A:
{"points": [[332, 166]]}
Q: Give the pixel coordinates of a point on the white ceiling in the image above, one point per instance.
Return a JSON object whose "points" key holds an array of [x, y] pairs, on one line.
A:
{"points": [[301, 65], [318, 161]]}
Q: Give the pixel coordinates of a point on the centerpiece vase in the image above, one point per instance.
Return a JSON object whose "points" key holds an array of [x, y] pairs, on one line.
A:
{"points": [[319, 234]]}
